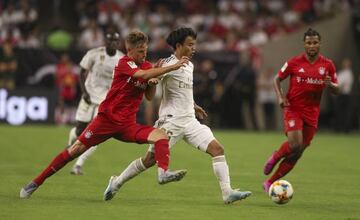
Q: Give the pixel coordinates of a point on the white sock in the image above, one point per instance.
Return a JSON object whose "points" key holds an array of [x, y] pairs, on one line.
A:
{"points": [[221, 171], [81, 160], [135, 168], [72, 136]]}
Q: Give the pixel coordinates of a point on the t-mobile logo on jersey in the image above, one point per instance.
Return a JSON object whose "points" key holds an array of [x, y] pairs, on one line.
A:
{"points": [[309, 80], [137, 83]]}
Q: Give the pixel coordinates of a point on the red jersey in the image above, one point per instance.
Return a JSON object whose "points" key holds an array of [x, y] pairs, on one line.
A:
{"points": [[306, 85], [124, 97]]}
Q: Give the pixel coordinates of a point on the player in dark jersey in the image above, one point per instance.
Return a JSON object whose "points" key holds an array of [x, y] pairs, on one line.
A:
{"points": [[310, 73], [133, 77]]}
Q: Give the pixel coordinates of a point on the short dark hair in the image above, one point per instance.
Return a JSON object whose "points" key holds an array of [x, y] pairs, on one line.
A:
{"points": [[179, 35], [311, 33]]}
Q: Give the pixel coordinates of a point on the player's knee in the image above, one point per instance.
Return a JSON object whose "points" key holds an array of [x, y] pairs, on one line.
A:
{"points": [[295, 145], [215, 149], [77, 149], [149, 160]]}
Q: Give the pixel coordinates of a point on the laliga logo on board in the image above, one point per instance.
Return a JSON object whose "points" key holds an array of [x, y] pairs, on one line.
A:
{"points": [[15, 109]]}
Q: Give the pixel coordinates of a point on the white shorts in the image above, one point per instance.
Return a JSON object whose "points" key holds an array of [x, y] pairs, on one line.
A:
{"points": [[86, 112], [197, 135]]}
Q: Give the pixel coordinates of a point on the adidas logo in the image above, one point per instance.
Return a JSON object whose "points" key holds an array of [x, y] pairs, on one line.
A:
{"points": [[301, 70]]}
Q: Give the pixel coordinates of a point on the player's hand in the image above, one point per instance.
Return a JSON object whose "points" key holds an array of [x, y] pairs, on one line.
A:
{"points": [[181, 63], [327, 80], [153, 81], [200, 112], [86, 97], [159, 63], [283, 102]]}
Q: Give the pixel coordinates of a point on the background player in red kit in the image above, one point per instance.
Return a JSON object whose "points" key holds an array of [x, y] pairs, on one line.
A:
{"points": [[133, 76], [309, 73]]}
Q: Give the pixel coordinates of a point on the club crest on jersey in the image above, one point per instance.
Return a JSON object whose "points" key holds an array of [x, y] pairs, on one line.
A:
{"points": [[291, 123], [102, 58], [321, 70], [132, 64], [88, 134]]}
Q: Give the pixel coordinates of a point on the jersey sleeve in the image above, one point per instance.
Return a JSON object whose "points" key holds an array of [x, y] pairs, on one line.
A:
{"points": [[87, 61], [332, 72], [285, 70]]}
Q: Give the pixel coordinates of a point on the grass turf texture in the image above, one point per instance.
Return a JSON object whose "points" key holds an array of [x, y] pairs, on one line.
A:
{"points": [[326, 180]]}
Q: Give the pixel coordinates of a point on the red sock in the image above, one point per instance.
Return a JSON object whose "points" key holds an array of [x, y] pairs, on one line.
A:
{"points": [[284, 168], [58, 162], [283, 151], [162, 153]]}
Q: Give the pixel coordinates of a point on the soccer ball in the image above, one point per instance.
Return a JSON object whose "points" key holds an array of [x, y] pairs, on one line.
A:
{"points": [[281, 192]]}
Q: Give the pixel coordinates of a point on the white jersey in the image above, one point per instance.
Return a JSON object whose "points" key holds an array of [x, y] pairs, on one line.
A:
{"points": [[177, 93], [101, 67]]}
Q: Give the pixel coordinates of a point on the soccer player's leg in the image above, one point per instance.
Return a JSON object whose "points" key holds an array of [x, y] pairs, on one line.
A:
{"points": [[133, 169], [84, 114], [147, 134], [294, 129], [201, 137], [56, 164], [137, 166], [97, 132], [162, 157]]}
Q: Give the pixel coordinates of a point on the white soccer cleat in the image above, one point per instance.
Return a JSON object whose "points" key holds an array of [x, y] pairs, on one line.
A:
{"points": [[171, 176], [27, 190], [76, 170], [111, 189], [236, 195]]}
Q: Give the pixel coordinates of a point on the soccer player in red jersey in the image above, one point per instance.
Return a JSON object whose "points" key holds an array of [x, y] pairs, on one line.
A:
{"points": [[310, 73], [133, 77]]}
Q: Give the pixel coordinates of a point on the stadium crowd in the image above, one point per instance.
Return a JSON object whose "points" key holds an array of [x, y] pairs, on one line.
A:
{"points": [[231, 26]]}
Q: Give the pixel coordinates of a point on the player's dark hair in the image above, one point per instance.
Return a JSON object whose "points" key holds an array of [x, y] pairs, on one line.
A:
{"points": [[135, 38], [311, 33], [179, 35]]}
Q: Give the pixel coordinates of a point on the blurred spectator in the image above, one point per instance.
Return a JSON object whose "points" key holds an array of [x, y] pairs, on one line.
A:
{"points": [[109, 12], [267, 97], [29, 40], [10, 35], [91, 37], [343, 101], [8, 66], [66, 81], [208, 90], [241, 81]]}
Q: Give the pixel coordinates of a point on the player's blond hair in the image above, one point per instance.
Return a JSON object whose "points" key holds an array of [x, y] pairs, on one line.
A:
{"points": [[135, 38]]}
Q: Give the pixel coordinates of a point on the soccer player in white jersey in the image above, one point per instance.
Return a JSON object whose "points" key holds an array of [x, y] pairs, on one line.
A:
{"points": [[177, 117], [96, 76]]}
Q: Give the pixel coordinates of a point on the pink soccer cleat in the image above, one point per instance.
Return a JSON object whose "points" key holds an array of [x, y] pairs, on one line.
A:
{"points": [[266, 186], [270, 164]]}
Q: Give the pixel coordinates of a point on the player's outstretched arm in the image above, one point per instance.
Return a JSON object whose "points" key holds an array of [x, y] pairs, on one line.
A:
{"points": [[282, 100], [155, 72]]}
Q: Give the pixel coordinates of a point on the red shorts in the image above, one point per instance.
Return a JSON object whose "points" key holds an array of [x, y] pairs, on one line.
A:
{"points": [[101, 128], [294, 122]]}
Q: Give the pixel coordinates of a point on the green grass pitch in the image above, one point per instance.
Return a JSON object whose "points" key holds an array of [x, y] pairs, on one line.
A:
{"points": [[326, 180]]}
